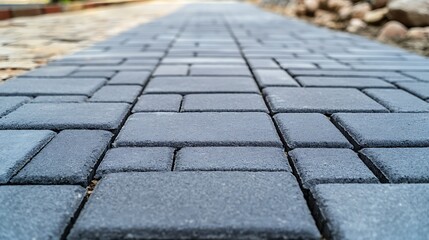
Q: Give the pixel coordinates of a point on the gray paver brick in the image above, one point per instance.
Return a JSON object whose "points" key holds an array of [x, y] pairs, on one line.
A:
{"points": [[220, 70], [205, 60], [346, 73], [51, 71], [375, 211], [51, 86], [17, 147], [386, 129], [168, 205], [8, 104], [136, 160], [158, 103], [68, 159], [420, 89], [202, 85], [130, 77], [343, 82], [93, 74], [423, 76], [37, 212], [127, 94], [198, 129], [231, 159], [224, 103], [309, 130], [400, 165], [60, 99], [274, 77], [330, 165], [171, 70], [321, 100], [106, 116], [397, 100]]}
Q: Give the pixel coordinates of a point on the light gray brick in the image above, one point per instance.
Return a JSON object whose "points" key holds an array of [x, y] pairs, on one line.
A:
{"points": [[420, 89], [171, 70], [51, 71], [158, 103], [8, 104], [346, 82], [60, 99], [126, 94], [224, 103], [397, 100], [273, 77], [220, 70], [130, 78]]}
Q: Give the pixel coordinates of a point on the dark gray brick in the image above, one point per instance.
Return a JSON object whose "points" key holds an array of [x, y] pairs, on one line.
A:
{"points": [[158, 103], [399, 165], [17, 148], [397, 100], [423, 76], [322, 100], [51, 71], [374, 211], [127, 94], [386, 129], [343, 82], [68, 159], [220, 70], [107, 116], [51, 86], [202, 85], [238, 205], [60, 99], [37, 212], [420, 89], [136, 160], [224, 103], [272, 77], [130, 77], [330, 165], [8, 104], [309, 130], [198, 129], [231, 159], [171, 70]]}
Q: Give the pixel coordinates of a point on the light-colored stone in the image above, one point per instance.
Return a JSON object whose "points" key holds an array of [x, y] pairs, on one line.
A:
{"points": [[375, 16], [311, 6], [392, 30], [412, 13], [359, 10], [356, 25], [418, 33], [335, 5]]}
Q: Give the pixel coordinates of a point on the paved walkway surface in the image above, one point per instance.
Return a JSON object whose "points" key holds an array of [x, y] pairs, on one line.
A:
{"points": [[218, 121]]}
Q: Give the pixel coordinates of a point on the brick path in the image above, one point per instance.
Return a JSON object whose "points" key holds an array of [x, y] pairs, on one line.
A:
{"points": [[186, 121]]}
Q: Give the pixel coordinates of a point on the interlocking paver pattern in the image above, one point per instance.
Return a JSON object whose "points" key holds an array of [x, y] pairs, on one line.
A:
{"points": [[218, 121]]}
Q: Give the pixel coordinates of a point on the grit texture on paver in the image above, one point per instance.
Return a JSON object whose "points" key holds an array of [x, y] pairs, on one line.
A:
{"points": [[130, 78], [224, 103], [274, 77], [231, 159], [385, 129], [158, 103], [51, 71], [309, 130], [68, 159], [330, 165], [343, 82], [60, 99], [106, 116], [133, 159], [374, 211], [37, 212], [51, 86], [420, 89], [399, 165], [237, 205], [198, 129], [321, 100], [397, 100], [8, 104], [17, 147], [126, 94]]}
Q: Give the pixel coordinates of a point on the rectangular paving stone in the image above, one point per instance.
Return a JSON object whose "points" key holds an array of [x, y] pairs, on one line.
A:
{"points": [[274, 77], [158, 103], [60, 99], [51, 71], [105, 116], [93, 74], [198, 129], [262, 63], [17, 147], [329, 165], [117, 68], [8, 104], [385, 129], [205, 60], [374, 211], [399, 165], [422, 76], [302, 130], [168, 205], [420, 89], [397, 100], [126, 94], [345, 82], [321, 100], [183, 85], [231, 159], [68, 159], [219, 70], [224, 103], [171, 70], [130, 78], [132, 159], [343, 73], [51, 86], [37, 212]]}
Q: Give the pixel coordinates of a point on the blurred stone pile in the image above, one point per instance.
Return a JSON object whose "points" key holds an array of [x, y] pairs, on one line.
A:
{"points": [[387, 20]]}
